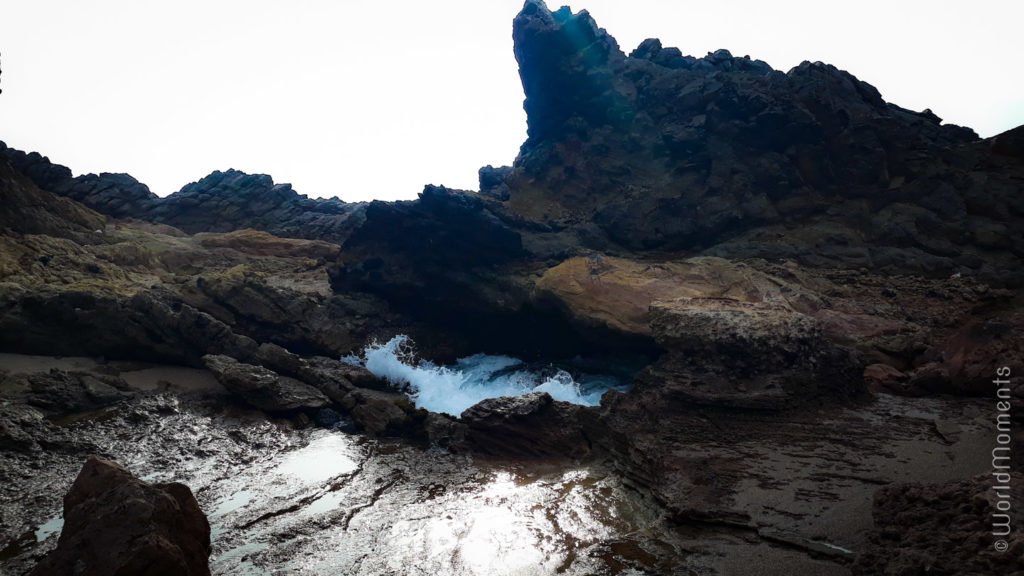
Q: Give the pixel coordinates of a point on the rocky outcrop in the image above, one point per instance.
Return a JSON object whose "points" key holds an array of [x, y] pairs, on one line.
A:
{"points": [[263, 388], [145, 326], [63, 392], [601, 290], [117, 524], [564, 63], [437, 244], [665, 151], [281, 309], [232, 200], [442, 261], [73, 284], [220, 202], [24, 209], [655, 157], [532, 425], [734, 354], [22, 426], [280, 381]]}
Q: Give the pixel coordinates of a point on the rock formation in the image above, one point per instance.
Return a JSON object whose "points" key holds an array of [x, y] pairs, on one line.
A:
{"points": [[117, 524], [935, 528], [263, 388], [655, 157], [762, 250], [220, 202], [745, 355]]}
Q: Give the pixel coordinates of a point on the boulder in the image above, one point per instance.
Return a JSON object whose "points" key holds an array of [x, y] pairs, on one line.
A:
{"points": [[380, 413], [533, 425], [117, 524]]}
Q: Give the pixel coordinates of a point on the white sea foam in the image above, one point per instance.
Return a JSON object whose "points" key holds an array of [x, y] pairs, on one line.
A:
{"points": [[452, 389]]}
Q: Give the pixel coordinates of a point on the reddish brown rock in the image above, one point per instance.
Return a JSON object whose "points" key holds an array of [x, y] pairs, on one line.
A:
{"points": [[885, 378], [931, 378], [117, 524], [945, 529], [976, 351]]}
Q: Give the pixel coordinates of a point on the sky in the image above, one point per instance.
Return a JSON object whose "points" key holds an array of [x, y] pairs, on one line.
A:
{"points": [[373, 100]]}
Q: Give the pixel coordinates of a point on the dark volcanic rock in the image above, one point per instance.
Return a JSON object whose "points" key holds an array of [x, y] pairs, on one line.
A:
{"points": [[565, 64], [61, 392], [116, 524], [21, 426], [37, 168], [657, 155], [117, 195], [532, 425], [492, 182], [379, 413], [231, 200], [745, 355], [25, 209], [372, 404], [220, 202], [945, 528], [263, 388], [150, 325], [444, 232], [437, 259], [671, 152], [306, 323]]}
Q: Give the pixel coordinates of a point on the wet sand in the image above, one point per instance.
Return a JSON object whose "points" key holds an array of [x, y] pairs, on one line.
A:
{"points": [[141, 376]]}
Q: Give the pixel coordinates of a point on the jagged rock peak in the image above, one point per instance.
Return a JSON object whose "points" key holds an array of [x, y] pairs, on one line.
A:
{"points": [[233, 178], [562, 57], [671, 57], [220, 202]]}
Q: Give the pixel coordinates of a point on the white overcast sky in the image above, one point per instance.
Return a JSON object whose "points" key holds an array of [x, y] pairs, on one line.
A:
{"points": [[362, 99]]}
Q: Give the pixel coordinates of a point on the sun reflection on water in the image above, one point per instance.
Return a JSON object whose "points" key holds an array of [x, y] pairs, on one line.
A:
{"points": [[391, 512], [506, 527]]}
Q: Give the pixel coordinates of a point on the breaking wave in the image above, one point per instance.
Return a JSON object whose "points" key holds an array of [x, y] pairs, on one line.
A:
{"points": [[452, 389]]}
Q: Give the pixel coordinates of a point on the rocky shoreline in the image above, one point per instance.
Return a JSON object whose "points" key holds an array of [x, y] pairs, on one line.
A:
{"points": [[797, 492], [817, 293]]}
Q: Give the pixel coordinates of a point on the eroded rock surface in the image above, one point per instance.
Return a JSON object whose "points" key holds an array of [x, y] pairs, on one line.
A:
{"points": [[61, 391], [117, 524], [723, 352], [934, 528], [263, 388], [532, 425]]}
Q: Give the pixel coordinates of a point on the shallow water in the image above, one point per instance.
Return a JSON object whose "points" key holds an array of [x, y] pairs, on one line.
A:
{"points": [[316, 501], [51, 526], [453, 389]]}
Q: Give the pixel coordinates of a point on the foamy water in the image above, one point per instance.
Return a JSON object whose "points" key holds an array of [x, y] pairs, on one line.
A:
{"points": [[452, 389]]}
